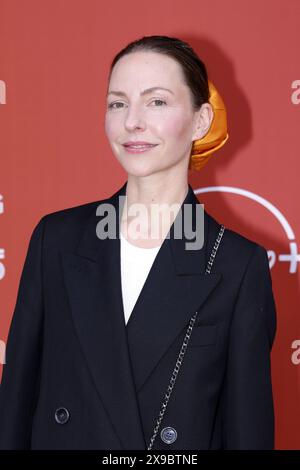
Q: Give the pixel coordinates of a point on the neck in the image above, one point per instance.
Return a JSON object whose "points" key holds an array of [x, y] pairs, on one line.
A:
{"points": [[159, 201]]}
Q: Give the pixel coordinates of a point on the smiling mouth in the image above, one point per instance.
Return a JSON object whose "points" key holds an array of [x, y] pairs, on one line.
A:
{"points": [[139, 148]]}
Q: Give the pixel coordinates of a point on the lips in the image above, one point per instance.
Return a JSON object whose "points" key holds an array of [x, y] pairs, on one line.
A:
{"points": [[140, 145]]}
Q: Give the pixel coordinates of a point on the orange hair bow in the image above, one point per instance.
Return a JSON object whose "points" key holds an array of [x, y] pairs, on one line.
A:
{"points": [[217, 135]]}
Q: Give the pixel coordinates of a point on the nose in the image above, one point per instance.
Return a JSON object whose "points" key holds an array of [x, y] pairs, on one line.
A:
{"points": [[134, 118]]}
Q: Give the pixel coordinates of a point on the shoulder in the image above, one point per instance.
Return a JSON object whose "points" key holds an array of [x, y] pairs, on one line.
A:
{"points": [[74, 213], [236, 251], [66, 226]]}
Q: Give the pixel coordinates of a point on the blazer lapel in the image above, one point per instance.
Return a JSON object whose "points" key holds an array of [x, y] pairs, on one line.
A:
{"points": [[93, 281], [176, 287], [121, 357]]}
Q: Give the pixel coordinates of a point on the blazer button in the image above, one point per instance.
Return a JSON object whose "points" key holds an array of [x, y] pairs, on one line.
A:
{"points": [[62, 415], [168, 435]]}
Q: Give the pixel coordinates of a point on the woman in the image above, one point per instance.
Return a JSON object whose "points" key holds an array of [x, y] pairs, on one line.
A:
{"points": [[119, 318]]}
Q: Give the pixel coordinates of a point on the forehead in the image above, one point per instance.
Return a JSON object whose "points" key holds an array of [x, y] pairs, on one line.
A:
{"points": [[144, 70]]}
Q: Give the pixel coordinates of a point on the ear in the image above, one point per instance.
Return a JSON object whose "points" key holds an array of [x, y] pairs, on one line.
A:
{"points": [[202, 121]]}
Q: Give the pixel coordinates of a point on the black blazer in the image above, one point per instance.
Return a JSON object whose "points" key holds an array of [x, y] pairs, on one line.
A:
{"points": [[77, 377]]}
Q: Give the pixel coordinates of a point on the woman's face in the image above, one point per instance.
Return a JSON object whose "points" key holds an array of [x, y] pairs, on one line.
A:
{"points": [[161, 117]]}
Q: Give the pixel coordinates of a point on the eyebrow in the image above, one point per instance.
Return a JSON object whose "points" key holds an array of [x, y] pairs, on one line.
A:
{"points": [[144, 92]]}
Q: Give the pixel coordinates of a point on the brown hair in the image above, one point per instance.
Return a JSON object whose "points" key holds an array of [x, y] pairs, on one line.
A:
{"points": [[193, 68]]}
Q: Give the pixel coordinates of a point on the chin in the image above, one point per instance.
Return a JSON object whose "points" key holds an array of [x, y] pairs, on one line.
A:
{"points": [[139, 172], [140, 168]]}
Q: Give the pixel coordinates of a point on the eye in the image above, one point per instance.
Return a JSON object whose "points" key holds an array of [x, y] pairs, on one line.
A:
{"points": [[111, 105], [161, 101]]}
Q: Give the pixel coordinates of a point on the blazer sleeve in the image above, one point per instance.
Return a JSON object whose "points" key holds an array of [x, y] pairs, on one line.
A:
{"points": [[20, 376], [247, 401]]}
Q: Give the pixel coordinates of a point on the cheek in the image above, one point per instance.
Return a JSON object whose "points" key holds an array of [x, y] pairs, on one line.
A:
{"points": [[176, 127], [112, 126]]}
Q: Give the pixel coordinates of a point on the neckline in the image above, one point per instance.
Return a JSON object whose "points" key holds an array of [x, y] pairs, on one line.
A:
{"points": [[137, 248]]}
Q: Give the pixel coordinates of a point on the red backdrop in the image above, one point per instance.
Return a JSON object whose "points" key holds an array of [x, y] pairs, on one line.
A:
{"points": [[55, 56]]}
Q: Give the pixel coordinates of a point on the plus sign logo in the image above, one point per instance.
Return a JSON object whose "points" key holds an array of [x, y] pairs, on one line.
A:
{"points": [[291, 257]]}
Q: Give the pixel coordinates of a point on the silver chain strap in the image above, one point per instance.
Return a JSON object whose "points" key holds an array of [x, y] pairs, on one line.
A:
{"points": [[184, 346]]}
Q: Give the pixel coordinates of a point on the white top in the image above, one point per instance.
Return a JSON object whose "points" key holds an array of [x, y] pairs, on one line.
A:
{"points": [[136, 263]]}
